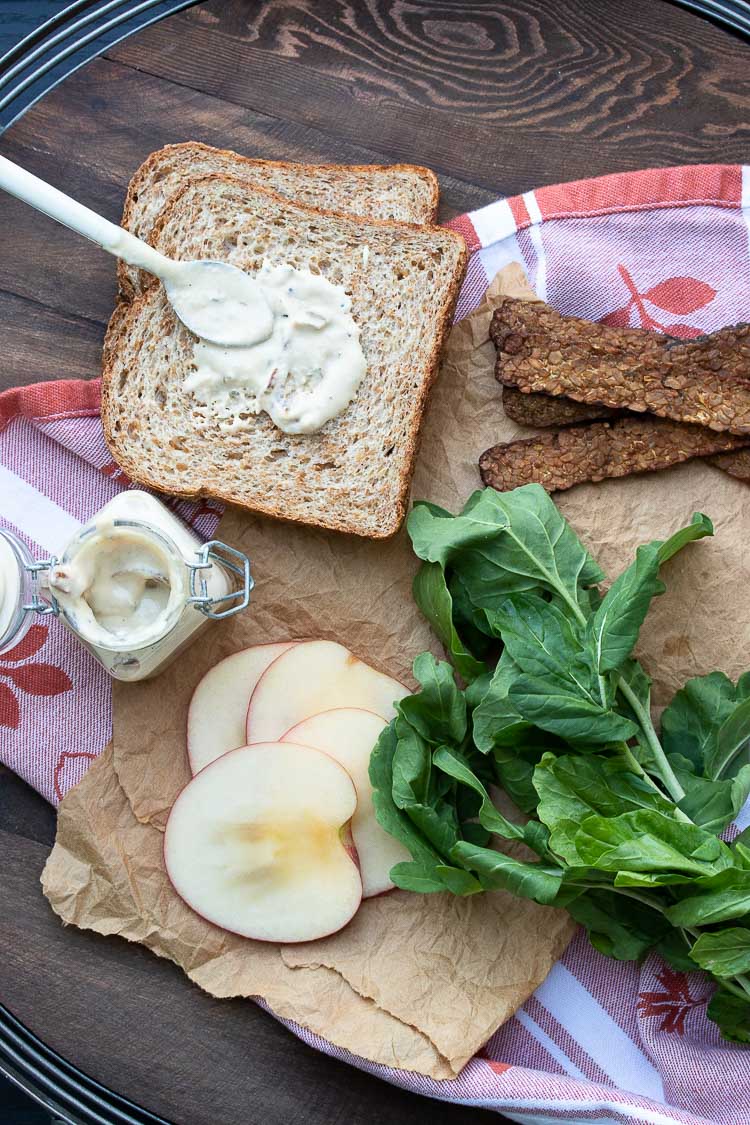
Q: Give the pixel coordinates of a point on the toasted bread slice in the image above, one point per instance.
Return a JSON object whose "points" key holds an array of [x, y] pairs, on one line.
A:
{"points": [[404, 192], [354, 474]]}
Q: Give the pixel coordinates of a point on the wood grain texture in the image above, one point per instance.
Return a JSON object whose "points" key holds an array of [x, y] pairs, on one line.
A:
{"points": [[498, 96], [503, 95]]}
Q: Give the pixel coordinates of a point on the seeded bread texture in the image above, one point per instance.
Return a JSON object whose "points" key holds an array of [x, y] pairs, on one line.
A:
{"points": [[404, 192], [353, 475]]}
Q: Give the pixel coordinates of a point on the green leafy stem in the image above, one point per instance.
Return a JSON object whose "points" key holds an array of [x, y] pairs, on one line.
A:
{"points": [[621, 823]]}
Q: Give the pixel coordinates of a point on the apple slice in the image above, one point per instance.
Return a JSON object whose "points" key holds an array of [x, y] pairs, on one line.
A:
{"points": [[316, 676], [348, 734], [257, 844], [217, 715]]}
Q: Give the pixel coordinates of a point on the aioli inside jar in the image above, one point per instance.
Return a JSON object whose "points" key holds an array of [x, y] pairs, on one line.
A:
{"points": [[121, 583]]}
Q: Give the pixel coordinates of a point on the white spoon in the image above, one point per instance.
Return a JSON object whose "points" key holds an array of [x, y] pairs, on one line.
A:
{"points": [[218, 302]]}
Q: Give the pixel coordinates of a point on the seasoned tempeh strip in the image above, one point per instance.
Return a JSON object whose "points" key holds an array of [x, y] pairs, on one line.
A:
{"points": [[705, 381], [597, 450], [542, 411], [736, 464]]}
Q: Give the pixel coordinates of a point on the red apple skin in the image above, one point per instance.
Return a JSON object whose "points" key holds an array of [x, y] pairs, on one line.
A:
{"points": [[407, 691], [252, 693], [267, 644], [277, 941], [386, 890], [344, 831]]}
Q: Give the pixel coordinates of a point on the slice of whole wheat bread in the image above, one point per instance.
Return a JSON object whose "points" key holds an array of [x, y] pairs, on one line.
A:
{"points": [[404, 192], [354, 474]]}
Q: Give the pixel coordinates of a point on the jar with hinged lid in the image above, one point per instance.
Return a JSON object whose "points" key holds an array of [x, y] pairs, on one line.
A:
{"points": [[134, 585]]}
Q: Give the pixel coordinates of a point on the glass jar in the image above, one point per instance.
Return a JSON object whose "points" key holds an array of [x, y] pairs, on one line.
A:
{"points": [[17, 585], [134, 586]]}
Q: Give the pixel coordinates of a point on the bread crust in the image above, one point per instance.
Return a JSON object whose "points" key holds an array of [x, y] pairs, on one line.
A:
{"points": [[143, 173], [126, 315]]}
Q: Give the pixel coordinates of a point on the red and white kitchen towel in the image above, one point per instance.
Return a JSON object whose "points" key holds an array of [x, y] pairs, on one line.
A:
{"points": [[667, 249]]}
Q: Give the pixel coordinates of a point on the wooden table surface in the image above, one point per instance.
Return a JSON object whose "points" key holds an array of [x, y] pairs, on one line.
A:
{"points": [[497, 97]]}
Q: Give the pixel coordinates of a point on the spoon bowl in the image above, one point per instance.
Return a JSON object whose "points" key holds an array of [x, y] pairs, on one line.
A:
{"points": [[219, 303]]}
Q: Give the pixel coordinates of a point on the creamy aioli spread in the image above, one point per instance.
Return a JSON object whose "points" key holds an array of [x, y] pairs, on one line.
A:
{"points": [[120, 585], [123, 588], [303, 372], [220, 302]]}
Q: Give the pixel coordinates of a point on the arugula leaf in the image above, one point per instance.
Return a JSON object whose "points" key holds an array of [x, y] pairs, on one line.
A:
{"points": [[546, 656], [562, 842], [437, 823], [497, 871], [420, 874], [617, 926], [477, 689], [740, 845], [732, 1014], [555, 704], [572, 787], [438, 536], [614, 629], [411, 766], [717, 898], [458, 881], [533, 834], [725, 954], [470, 621], [639, 682], [438, 711], [674, 947], [515, 765], [699, 527], [710, 804], [649, 841], [420, 792], [433, 597], [691, 722], [496, 721], [506, 543], [731, 740], [540, 638], [541, 547], [651, 879]]}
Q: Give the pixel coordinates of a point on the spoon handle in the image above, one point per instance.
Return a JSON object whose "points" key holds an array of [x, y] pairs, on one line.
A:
{"points": [[112, 238]]}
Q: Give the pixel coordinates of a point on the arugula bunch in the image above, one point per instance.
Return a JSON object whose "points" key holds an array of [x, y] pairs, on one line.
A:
{"points": [[622, 823]]}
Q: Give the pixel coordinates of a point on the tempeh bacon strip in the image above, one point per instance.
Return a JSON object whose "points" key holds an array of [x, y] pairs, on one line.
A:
{"points": [[598, 450], [704, 381], [543, 411]]}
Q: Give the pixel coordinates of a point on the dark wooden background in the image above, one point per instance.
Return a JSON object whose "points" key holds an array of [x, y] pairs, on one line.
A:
{"points": [[497, 97]]}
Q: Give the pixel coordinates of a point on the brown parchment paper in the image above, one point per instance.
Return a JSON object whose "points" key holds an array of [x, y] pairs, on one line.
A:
{"points": [[414, 981], [106, 874]]}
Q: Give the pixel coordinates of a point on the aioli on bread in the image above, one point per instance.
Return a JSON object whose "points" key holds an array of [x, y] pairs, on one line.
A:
{"points": [[303, 372]]}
